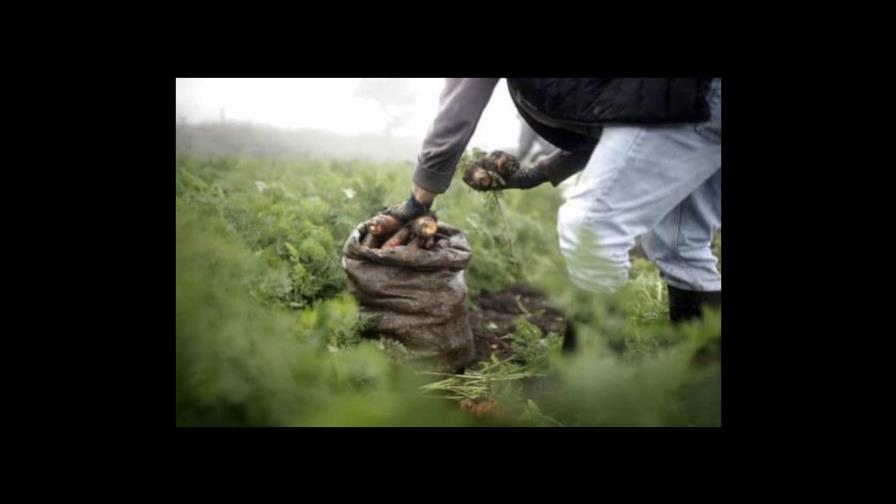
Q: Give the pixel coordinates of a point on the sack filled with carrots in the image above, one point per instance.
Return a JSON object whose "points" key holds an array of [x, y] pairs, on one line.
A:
{"points": [[408, 279]]}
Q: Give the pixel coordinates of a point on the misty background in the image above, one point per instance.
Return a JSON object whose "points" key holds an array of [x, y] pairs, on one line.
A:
{"points": [[343, 118]]}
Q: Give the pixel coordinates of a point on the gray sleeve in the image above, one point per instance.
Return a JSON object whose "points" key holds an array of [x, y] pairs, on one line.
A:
{"points": [[460, 107]]}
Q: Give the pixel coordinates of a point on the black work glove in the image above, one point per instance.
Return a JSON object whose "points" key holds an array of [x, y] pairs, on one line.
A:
{"points": [[526, 179], [407, 211], [498, 171]]}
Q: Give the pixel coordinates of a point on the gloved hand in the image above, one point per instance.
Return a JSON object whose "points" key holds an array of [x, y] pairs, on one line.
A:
{"points": [[500, 170], [526, 179], [407, 211]]}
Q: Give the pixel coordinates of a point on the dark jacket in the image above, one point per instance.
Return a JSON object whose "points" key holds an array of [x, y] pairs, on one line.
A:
{"points": [[569, 113]]}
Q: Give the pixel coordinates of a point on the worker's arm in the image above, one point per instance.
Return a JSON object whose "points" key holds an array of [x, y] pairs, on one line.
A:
{"points": [[460, 106]]}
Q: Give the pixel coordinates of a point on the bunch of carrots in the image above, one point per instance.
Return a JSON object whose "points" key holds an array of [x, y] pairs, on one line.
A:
{"points": [[386, 232]]}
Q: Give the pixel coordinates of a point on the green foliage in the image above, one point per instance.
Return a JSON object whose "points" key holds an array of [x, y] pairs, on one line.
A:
{"points": [[532, 353], [267, 334], [243, 362], [293, 216], [532, 348]]}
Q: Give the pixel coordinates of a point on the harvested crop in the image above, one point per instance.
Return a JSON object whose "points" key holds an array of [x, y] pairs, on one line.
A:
{"points": [[383, 225]]}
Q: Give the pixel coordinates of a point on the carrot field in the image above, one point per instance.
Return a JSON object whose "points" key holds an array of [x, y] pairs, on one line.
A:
{"points": [[267, 333]]}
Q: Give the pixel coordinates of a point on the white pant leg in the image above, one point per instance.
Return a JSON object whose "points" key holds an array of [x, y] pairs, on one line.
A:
{"points": [[635, 177], [681, 244]]}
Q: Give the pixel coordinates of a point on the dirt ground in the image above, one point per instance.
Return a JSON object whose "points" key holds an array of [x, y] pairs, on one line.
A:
{"points": [[497, 311]]}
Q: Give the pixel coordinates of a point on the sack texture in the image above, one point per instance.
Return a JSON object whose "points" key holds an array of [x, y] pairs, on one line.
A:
{"points": [[417, 297]]}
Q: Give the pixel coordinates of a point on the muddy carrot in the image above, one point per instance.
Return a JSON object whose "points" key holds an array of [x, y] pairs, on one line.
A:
{"points": [[481, 177], [398, 239], [422, 242], [383, 225], [370, 241], [425, 226]]}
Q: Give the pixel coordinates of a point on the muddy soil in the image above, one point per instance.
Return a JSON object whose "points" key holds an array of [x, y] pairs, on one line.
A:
{"points": [[496, 313]]}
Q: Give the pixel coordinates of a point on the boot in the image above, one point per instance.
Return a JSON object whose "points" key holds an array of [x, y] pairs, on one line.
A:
{"points": [[686, 305]]}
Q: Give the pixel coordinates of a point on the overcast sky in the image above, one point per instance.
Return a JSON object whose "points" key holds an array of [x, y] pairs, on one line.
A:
{"points": [[329, 105]]}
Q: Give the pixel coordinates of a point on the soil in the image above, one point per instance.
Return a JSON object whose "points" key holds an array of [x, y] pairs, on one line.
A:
{"points": [[497, 312]]}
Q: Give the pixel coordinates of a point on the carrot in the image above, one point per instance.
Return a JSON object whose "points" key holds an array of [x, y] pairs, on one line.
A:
{"points": [[422, 242], [398, 239], [500, 165], [425, 226], [481, 177], [481, 408], [370, 241], [383, 225]]}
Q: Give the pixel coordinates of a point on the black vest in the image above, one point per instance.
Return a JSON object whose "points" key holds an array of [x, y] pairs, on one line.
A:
{"points": [[569, 113]]}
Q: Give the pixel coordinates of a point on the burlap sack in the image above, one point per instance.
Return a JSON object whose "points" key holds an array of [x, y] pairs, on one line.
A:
{"points": [[417, 297]]}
